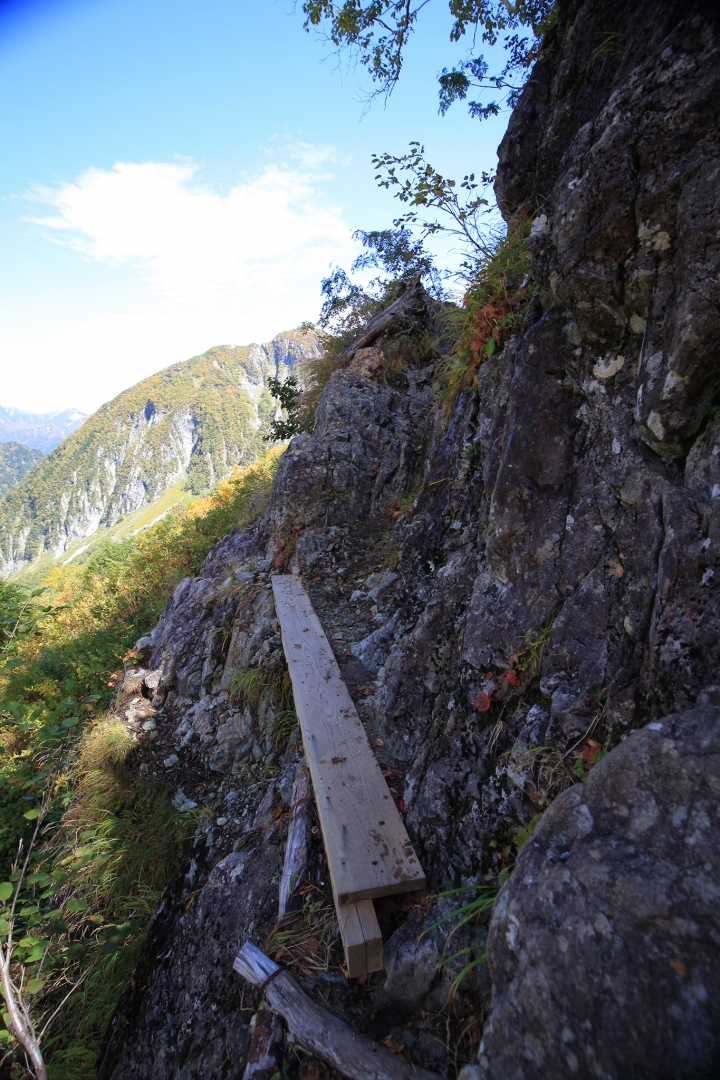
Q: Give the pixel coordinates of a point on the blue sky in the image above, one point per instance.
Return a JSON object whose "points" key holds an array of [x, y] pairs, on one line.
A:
{"points": [[180, 175]]}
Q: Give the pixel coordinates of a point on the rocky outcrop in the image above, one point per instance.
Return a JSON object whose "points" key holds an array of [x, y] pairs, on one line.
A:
{"points": [[571, 515], [603, 946], [544, 581], [190, 424]]}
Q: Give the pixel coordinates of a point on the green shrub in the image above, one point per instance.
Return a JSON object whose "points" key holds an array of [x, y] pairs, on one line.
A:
{"points": [[108, 842]]}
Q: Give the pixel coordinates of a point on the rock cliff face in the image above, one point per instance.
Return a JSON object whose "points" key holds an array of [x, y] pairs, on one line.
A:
{"points": [[191, 422], [545, 566]]}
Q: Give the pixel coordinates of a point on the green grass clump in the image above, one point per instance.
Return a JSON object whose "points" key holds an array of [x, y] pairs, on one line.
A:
{"points": [[109, 841], [118, 843], [265, 686], [255, 686]]}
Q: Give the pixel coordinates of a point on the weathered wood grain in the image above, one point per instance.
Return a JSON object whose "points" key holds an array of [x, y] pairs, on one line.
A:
{"points": [[266, 1045], [368, 848], [353, 939], [296, 850], [372, 935], [319, 1032], [361, 938]]}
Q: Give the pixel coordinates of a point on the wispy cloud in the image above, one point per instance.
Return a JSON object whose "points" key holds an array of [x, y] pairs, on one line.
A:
{"points": [[274, 235], [201, 266]]}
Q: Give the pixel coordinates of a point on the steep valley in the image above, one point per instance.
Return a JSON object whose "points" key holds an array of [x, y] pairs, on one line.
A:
{"points": [[190, 425], [16, 461]]}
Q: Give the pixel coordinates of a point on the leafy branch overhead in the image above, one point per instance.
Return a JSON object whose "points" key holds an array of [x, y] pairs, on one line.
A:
{"points": [[377, 34], [427, 192]]}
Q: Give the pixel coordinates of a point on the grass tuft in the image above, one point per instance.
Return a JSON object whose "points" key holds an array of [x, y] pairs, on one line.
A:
{"points": [[118, 844]]}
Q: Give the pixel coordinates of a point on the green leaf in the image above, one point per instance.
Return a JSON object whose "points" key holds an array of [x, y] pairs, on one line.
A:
{"points": [[74, 904], [31, 910], [40, 878], [27, 942], [6, 890], [33, 814], [504, 875], [46, 733], [35, 954], [34, 986]]}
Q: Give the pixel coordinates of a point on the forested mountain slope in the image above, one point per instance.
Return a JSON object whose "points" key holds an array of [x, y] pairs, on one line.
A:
{"points": [[192, 421], [16, 461]]}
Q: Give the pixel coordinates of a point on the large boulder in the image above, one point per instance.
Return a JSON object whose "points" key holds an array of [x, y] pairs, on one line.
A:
{"points": [[604, 946]]}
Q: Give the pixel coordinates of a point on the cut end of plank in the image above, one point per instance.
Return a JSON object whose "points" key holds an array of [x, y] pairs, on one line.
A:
{"points": [[361, 938]]}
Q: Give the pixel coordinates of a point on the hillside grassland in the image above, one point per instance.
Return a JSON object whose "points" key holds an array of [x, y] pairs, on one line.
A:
{"points": [[108, 845], [85, 548]]}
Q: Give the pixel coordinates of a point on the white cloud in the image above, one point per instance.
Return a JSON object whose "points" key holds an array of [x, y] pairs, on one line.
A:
{"points": [[196, 267], [269, 235]]}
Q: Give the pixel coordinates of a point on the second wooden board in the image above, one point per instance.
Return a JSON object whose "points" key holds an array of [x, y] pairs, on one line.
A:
{"points": [[368, 848]]}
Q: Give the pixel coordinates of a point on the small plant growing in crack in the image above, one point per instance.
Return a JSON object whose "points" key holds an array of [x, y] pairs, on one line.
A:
{"points": [[522, 668]]}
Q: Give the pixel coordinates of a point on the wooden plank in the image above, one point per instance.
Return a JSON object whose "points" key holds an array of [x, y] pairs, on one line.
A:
{"points": [[319, 1032], [265, 1055], [368, 848], [352, 938], [371, 933], [297, 846], [361, 938]]}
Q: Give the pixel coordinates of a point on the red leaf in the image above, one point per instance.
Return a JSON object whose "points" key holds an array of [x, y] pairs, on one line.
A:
{"points": [[278, 560], [511, 677], [482, 702]]}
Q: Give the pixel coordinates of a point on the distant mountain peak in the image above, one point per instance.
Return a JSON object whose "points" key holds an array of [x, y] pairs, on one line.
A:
{"points": [[42, 431]]}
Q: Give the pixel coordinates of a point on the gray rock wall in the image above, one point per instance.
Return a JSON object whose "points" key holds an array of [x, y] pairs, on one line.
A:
{"points": [[604, 943], [572, 500]]}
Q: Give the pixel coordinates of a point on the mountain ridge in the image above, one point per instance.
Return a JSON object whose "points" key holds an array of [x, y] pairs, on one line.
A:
{"points": [[193, 421], [40, 431]]}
